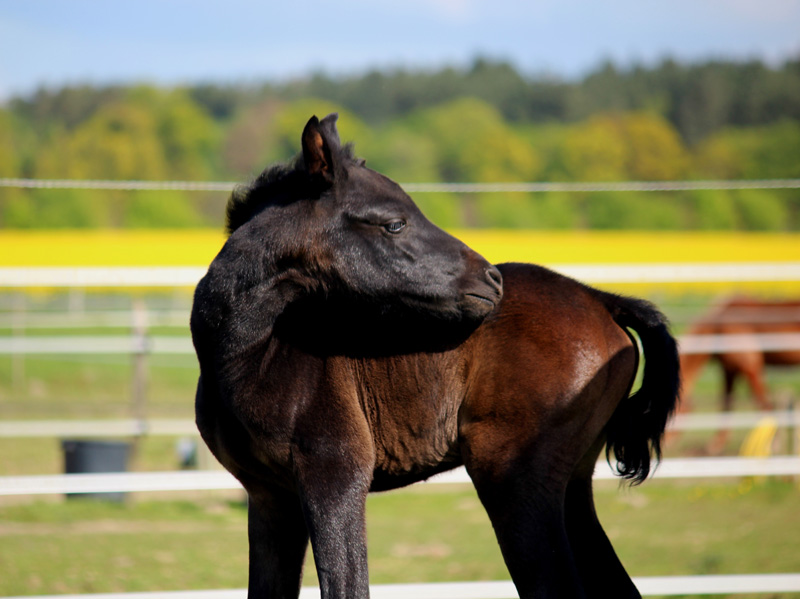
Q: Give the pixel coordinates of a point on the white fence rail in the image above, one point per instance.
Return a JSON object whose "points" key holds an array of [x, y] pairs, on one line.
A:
{"points": [[502, 589], [182, 345], [100, 344], [81, 317], [131, 427], [732, 420], [123, 427], [218, 480], [188, 276], [90, 318]]}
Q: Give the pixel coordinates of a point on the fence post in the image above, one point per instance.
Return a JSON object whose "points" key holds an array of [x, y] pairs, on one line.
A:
{"points": [[140, 349], [793, 432], [76, 300], [18, 330]]}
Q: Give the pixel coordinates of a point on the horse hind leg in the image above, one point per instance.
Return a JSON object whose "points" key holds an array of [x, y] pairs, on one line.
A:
{"points": [[525, 504], [599, 568], [720, 439], [755, 377], [278, 541], [529, 525]]}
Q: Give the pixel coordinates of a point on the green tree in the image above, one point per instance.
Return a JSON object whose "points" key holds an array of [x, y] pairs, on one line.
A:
{"points": [[767, 152], [15, 207], [617, 147], [655, 151], [189, 138], [631, 210], [761, 210], [474, 143], [248, 138], [713, 210], [10, 161], [593, 151], [122, 141]]}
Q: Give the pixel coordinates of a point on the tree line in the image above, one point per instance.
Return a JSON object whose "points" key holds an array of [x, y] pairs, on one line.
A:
{"points": [[484, 123]]}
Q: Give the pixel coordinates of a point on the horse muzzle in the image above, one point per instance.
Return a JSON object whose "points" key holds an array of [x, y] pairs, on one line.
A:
{"points": [[484, 293]]}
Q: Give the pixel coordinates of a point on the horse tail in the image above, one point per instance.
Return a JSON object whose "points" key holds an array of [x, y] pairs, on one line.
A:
{"points": [[637, 426]]}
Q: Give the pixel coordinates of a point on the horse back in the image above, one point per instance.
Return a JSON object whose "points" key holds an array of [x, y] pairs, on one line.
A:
{"points": [[744, 316]]}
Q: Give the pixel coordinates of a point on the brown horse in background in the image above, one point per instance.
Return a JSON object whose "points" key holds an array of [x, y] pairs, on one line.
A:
{"points": [[743, 317], [348, 345], [746, 318]]}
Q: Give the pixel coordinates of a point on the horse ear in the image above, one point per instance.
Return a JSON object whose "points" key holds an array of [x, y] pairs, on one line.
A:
{"points": [[320, 141]]}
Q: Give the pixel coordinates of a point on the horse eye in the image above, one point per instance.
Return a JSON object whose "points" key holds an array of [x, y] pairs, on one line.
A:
{"points": [[395, 226]]}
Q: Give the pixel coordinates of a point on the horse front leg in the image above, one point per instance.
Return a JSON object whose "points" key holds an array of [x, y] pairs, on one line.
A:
{"points": [[278, 541], [333, 472], [334, 500], [338, 536]]}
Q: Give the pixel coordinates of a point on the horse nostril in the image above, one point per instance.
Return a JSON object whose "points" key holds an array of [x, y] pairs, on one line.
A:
{"points": [[495, 278]]}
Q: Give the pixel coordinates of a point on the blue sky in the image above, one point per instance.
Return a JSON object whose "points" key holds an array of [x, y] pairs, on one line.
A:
{"points": [[56, 42]]}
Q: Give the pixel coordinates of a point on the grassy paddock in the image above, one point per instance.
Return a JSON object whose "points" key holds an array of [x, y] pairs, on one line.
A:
{"points": [[423, 534]]}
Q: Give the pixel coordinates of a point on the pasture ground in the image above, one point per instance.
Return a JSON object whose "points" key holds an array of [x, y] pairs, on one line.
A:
{"points": [[415, 535]]}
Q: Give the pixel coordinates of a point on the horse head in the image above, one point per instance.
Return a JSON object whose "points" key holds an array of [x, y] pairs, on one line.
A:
{"points": [[336, 228]]}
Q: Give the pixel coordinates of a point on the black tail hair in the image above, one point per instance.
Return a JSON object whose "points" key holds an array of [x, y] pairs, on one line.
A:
{"points": [[637, 426]]}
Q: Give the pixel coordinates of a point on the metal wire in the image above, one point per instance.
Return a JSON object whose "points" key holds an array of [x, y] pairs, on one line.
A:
{"points": [[591, 187], [117, 185]]}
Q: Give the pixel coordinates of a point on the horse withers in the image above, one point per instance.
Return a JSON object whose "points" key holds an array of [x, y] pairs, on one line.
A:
{"points": [[348, 345]]}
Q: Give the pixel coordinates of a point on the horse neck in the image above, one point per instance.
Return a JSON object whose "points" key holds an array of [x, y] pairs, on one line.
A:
{"points": [[238, 302]]}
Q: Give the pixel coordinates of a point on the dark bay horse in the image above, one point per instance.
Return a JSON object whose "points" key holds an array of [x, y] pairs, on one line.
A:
{"points": [[347, 345]]}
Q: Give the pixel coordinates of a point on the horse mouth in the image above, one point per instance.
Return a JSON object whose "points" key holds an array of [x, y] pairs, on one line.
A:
{"points": [[489, 302]]}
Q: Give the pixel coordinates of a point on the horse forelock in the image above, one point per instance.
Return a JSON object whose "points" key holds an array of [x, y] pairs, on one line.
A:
{"points": [[282, 182]]}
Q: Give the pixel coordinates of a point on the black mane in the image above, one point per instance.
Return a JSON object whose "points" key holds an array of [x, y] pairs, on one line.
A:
{"points": [[280, 183]]}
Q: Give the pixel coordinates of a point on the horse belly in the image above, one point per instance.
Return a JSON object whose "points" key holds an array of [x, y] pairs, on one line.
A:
{"points": [[415, 436], [414, 460], [783, 358]]}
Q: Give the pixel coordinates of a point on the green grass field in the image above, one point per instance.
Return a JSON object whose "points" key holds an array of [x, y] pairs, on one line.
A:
{"points": [[416, 535]]}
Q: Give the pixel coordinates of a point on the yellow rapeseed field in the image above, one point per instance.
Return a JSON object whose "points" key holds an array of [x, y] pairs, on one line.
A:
{"points": [[198, 247]]}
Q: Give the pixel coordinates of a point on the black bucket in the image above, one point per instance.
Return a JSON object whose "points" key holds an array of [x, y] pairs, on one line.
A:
{"points": [[85, 457]]}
